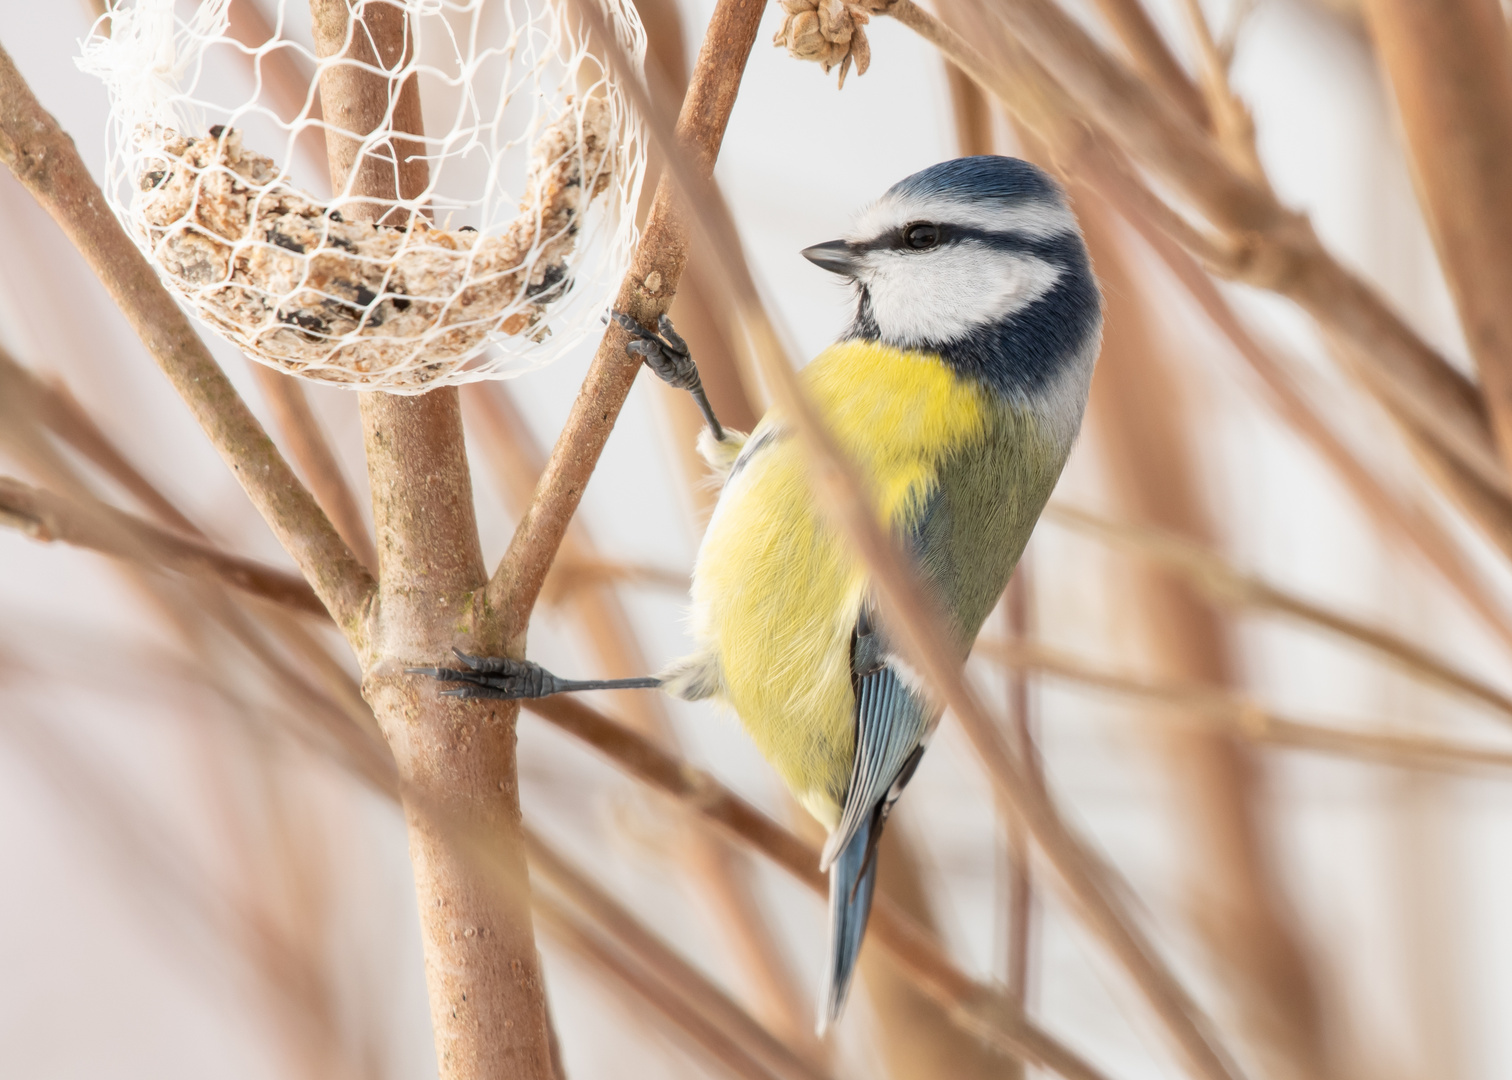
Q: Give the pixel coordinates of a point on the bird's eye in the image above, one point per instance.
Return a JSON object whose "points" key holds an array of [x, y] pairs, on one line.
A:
{"points": [[921, 237]]}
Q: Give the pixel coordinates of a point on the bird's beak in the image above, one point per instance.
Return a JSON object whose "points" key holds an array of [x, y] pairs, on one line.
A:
{"points": [[837, 256]]}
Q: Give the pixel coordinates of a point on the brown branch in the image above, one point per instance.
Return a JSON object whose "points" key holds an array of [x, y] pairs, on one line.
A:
{"points": [[48, 517], [1451, 67], [1145, 414], [456, 759], [913, 1032], [1152, 57], [1018, 619], [573, 933], [1233, 127], [697, 993], [315, 458], [1390, 512], [978, 1008], [44, 159], [1248, 719], [50, 404], [1222, 584], [659, 258]]}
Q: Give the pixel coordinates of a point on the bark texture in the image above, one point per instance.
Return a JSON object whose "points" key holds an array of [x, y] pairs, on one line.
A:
{"points": [[456, 759]]}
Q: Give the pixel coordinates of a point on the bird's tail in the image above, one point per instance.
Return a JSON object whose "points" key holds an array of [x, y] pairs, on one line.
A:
{"points": [[853, 878]]}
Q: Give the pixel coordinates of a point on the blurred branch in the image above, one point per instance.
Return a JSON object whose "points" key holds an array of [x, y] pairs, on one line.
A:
{"points": [[44, 159], [560, 922], [912, 1031], [1145, 411], [296, 422], [149, 851], [1451, 67], [659, 258], [1152, 57], [1232, 126], [1018, 621], [1392, 513], [571, 575], [1248, 719], [48, 517], [696, 993], [977, 1008], [1222, 584], [48, 403]]}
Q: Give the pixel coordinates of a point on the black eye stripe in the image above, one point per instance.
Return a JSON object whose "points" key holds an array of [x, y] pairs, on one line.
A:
{"points": [[1058, 249]]}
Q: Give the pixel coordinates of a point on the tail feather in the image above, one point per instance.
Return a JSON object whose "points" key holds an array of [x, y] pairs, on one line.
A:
{"points": [[853, 879]]}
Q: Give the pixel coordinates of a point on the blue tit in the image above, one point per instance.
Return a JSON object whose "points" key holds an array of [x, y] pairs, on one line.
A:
{"points": [[958, 389]]}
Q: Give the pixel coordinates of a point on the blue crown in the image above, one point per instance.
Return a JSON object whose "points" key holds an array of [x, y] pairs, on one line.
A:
{"points": [[983, 177]]}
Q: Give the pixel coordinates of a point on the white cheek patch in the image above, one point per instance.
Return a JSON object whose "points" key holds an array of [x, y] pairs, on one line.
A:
{"points": [[1036, 219], [944, 294]]}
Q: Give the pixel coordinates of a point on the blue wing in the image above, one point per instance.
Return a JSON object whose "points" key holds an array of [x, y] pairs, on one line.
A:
{"points": [[891, 726], [965, 541]]}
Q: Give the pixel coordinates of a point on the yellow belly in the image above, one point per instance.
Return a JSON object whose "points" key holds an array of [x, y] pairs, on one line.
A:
{"points": [[776, 593]]}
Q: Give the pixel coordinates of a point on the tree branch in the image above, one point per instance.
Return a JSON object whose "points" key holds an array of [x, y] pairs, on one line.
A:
{"points": [[45, 516], [1451, 67], [296, 421], [646, 294], [978, 1008], [457, 759], [698, 993], [44, 159]]}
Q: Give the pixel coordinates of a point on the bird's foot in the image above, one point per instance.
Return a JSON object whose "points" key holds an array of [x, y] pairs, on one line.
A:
{"points": [[493, 677], [665, 353]]}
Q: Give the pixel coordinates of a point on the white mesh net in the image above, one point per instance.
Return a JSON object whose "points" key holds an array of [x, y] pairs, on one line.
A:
{"points": [[216, 163]]}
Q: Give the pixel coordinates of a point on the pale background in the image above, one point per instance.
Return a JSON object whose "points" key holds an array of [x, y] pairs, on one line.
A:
{"points": [[108, 966]]}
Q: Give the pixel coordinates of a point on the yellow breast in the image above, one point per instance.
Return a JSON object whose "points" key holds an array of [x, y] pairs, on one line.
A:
{"points": [[776, 593]]}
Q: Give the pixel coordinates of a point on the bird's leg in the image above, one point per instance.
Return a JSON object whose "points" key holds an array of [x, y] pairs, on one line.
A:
{"points": [[512, 680], [666, 353]]}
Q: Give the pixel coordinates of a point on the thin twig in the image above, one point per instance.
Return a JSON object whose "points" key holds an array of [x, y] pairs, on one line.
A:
{"points": [[312, 452], [46, 516], [660, 258], [1222, 584], [978, 1008], [697, 992], [44, 159], [1248, 719]]}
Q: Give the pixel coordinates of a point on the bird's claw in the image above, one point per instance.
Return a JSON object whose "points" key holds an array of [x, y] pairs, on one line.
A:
{"points": [[492, 677], [665, 353]]}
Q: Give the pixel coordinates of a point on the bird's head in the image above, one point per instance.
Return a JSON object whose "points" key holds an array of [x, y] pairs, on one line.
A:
{"points": [[980, 260]]}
